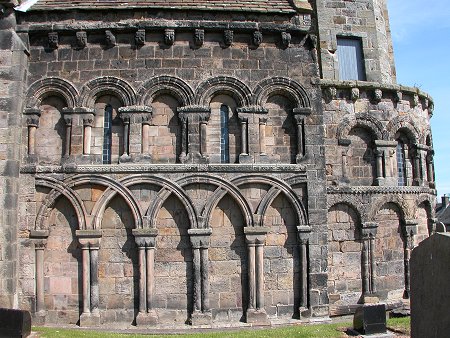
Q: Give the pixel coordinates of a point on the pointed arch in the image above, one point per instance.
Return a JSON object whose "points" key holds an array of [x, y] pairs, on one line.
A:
{"points": [[113, 187], [282, 86], [58, 189], [107, 85], [43, 88], [361, 120], [168, 188], [224, 187], [165, 85], [223, 85]]}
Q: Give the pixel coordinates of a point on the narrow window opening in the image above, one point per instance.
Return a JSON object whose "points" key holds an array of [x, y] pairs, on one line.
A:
{"points": [[351, 59], [224, 134], [107, 134], [401, 164]]}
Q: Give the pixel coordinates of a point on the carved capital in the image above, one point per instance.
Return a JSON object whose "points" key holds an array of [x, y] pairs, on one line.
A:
{"points": [[68, 121], [39, 238], [304, 234], [410, 228], [255, 235], [200, 238], [146, 237], [89, 239], [252, 110], [88, 120], [369, 230]]}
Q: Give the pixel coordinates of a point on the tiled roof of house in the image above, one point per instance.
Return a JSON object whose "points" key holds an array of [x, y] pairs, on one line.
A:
{"points": [[271, 6]]}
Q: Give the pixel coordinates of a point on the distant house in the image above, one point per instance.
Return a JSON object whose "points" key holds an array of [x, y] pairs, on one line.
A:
{"points": [[443, 213]]}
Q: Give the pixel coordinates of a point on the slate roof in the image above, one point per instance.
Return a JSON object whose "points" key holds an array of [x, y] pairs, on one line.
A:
{"points": [[267, 6], [443, 214]]}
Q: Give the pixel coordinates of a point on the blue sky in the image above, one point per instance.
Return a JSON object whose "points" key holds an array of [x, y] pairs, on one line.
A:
{"points": [[421, 36]]}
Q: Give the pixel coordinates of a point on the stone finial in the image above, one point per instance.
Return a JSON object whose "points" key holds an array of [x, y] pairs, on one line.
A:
{"points": [[257, 38], [377, 95], [355, 94], [286, 39], [53, 40], [110, 38], [169, 36], [81, 39], [139, 37], [199, 37], [228, 37]]}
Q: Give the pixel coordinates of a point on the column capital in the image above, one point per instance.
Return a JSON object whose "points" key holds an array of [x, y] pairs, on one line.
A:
{"points": [[194, 109], [255, 235], [252, 110], [302, 111], [39, 238], [410, 228], [369, 230], [304, 233], [145, 237], [385, 144], [32, 116], [89, 238], [88, 120], [200, 237], [78, 110]]}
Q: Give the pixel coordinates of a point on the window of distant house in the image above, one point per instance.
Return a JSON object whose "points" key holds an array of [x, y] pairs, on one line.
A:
{"points": [[224, 138], [401, 164], [107, 133], [351, 59]]}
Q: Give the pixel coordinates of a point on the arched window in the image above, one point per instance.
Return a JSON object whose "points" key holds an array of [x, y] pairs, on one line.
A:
{"points": [[224, 136], [107, 135], [401, 163]]}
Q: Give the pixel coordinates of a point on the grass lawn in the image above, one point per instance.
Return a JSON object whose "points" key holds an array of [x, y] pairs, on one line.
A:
{"points": [[400, 325]]}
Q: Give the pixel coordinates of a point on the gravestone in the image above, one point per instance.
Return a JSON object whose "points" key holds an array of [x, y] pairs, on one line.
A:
{"points": [[370, 319], [14, 323], [430, 291]]}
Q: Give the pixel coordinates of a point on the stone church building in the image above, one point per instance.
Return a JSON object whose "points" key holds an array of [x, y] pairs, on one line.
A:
{"points": [[206, 161]]}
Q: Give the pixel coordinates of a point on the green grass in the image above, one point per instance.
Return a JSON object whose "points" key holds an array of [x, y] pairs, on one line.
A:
{"points": [[298, 331], [400, 325]]}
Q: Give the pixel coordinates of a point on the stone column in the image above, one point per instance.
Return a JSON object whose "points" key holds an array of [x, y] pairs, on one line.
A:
{"points": [[244, 135], [33, 115], [39, 237], [421, 163], [299, 115], [409, 231], [430, 169], [68, 122], [255, 238], [200, 240], [368, 234], [304, 233], [194, 120], [88, 122], [262, 136], [90, 244], [146, 241], [387, 175], [126, 136]]}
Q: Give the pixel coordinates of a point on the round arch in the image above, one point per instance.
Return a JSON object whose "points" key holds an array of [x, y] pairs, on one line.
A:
{"points": [[224, 187], [58, 189], [406, 124], [223, 85], [283, 86], [41, 89], [107, 85], [398, 201], [113, 187], [361, 120], [165, 84], [168, 188]]}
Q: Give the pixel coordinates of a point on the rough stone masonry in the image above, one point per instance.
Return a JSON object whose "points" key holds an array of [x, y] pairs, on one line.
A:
{"points": [[206, 161]]}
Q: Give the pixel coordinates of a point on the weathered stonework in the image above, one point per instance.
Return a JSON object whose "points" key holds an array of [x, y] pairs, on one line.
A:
{"points": [[178, 168]]}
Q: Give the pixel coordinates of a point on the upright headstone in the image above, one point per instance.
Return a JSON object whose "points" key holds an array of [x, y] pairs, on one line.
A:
{"points": [[14, 323], [430, 291]]}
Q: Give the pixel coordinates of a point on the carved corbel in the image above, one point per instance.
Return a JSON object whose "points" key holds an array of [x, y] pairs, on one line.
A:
{"points": [[199, 37], [355, 94], [139, 37], [81, 38], [228, 37], [169, 36], [257, 38], [53, 40], [398, 96], [377, 95], [110, 39]]}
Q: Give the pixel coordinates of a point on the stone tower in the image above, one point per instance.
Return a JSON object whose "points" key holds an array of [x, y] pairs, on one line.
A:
{"points": [[198, 161]]}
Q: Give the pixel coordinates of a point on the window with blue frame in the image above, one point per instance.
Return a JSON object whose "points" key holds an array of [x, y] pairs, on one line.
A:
{"points": [[107, 135], [224, 134], [401, 164], [351, 59]]}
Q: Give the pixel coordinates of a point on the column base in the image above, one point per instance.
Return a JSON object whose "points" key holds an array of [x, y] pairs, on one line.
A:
{"points": [[370, 299], [258, 317], [125, 158], [201, 318], [304, 312], [39, 318], [245, 158], [147, 318], [90, 319]]}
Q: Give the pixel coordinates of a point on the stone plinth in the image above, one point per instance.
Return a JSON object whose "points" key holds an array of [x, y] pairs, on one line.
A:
{"points": [[370, 319]]}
